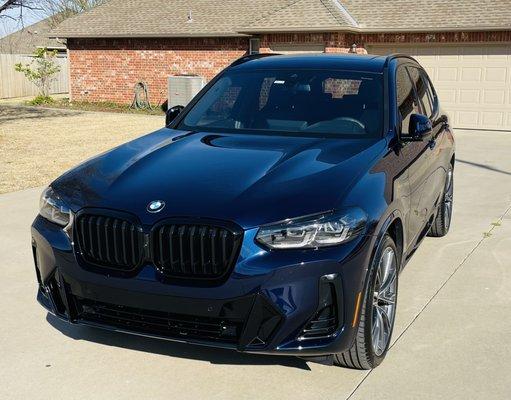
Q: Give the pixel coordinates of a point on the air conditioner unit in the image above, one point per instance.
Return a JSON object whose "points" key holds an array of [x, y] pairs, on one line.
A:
{"points": [[183, 88]]}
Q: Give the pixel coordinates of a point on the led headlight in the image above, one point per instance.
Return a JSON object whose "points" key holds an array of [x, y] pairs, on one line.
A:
{"points": [[53, 208], [313, 231]]}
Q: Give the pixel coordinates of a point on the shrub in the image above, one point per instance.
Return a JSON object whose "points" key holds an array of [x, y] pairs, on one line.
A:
{"points": [[40, 100], [41, 70]]}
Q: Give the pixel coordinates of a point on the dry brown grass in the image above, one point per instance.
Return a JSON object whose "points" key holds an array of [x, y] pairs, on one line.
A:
{"points": [[37, 145]]}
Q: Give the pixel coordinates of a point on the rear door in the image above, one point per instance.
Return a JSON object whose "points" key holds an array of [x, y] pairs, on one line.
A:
{"points": [[415, 155], [438, 142]]}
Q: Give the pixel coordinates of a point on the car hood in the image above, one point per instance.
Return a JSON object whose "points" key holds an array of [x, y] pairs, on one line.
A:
{"points": [[250, 179]]}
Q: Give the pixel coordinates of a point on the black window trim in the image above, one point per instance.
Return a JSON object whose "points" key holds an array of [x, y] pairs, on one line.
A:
{"points": [[417, 97], [435, 103]]}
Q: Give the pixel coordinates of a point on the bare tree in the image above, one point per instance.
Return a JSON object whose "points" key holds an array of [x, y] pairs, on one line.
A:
{"points": [[59, 10], [13, 9]]}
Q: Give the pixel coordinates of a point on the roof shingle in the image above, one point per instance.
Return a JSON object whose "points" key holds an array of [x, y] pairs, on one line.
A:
{"points": [[304, 14], [425, 15], [164, 18], [26, 40]]}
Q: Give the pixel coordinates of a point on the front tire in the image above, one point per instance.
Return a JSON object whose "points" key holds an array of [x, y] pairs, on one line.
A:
{"points": [[377, 313]]}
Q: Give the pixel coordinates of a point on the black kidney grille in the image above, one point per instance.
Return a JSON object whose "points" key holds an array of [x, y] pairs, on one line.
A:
{"points": [[196, 251], [109, 242]]}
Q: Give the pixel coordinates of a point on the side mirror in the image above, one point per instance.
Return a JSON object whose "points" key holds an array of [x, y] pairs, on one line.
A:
{"points": [[420, 127], [172, 113]]}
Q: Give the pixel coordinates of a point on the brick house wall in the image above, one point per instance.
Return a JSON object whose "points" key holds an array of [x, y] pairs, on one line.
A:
{"points": [[108, 69]]}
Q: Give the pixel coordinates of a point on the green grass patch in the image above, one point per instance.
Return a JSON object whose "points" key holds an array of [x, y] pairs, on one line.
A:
{"points": [[105, 106], [41, 100]]}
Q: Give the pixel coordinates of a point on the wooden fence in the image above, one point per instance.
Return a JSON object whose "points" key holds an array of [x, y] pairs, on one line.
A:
{"points": [[14, 84]]}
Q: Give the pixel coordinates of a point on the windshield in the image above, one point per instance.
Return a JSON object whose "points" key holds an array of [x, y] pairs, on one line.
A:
{"points": [[311, 102]]}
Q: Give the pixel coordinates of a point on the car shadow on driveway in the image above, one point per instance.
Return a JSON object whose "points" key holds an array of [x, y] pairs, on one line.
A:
{"points": [[485, 166], [169, 348]]}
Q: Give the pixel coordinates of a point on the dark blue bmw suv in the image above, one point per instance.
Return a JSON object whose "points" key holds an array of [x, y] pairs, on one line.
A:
{"points": [[271, 215]]}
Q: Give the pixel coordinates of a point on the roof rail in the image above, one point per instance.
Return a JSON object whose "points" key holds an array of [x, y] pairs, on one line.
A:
{"points": [[251, 57], [393, 56]]}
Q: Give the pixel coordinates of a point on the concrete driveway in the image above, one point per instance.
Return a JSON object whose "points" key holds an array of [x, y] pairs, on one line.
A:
{"points": [[451, 339]]}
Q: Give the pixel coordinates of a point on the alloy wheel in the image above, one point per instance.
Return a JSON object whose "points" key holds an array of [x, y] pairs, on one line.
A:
{"points": [[448, 198], [384, 301]]}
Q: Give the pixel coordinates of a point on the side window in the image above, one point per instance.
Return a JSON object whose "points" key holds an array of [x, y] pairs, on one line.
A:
{"points": [[406, 99], [423, 90]]}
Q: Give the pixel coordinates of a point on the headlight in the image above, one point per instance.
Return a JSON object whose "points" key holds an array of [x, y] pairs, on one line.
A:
{"points": [[313, 231], [53, 208]]}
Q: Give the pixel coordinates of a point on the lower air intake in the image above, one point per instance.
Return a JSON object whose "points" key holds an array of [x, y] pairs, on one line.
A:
{"points": [[159, 323], [326, 319]]}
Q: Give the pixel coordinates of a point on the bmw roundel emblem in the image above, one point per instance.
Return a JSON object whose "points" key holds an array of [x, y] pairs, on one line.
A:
{"points": [[155, 206]]}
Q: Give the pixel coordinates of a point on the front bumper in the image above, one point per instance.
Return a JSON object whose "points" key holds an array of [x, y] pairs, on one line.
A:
{"points": [[266, 305]]}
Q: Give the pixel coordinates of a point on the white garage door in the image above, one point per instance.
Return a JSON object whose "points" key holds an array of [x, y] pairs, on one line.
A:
{"points": [[473, 81]]}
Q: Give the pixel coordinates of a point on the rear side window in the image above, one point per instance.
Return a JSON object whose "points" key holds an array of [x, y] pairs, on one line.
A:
{"points": [[423, 90], [407, 102]]}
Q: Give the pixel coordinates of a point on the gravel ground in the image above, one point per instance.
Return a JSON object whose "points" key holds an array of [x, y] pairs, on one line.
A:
{"points": [[37, 144]]}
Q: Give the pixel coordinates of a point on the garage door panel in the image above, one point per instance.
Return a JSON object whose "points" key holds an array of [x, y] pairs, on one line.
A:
{"points": [[448, 74], [473, 82], [470, 96], [471, 74], [448, 96], [492, 119], [466, 119], [494, 74], [494, 97]]}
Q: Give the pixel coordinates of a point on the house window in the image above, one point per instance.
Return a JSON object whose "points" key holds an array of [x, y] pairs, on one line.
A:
{"points": [[339, 88], [254, 44]]}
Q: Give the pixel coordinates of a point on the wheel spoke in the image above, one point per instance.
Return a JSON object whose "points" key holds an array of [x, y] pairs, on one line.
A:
{"points": [[377, 331], [386, 320], [388, 285], [388, 260], [381, 343], [384, 300], [378, 280]]}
